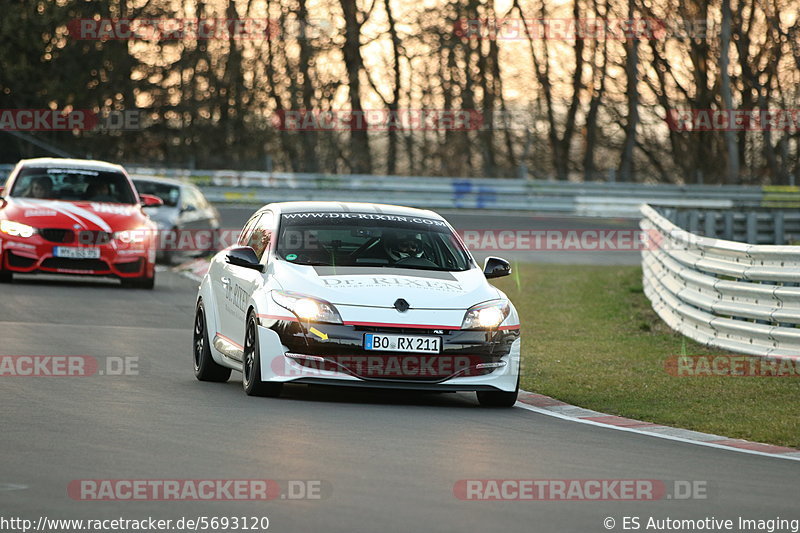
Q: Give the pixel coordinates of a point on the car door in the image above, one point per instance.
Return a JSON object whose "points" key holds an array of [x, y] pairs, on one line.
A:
{"points": [[208, 220], [190, 219], [240, 282], [222, 284]]}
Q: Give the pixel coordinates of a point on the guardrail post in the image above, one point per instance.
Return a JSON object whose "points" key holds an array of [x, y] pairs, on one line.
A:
{"points": [[727, 232], [682, 219], [710, 224], [694, 221], [752, 228], [778, 227]]}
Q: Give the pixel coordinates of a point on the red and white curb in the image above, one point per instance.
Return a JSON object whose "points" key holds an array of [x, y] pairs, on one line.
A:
{"points": [[194, 269], [538, 403], [548, 406]]}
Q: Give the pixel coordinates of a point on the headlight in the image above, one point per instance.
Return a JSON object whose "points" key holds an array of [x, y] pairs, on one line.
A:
{"points": [[135, 236], [486, 315], [307, 308], [16, 229]]}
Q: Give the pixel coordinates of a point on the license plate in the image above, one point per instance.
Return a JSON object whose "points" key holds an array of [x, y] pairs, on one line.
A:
{"points": [[71, 252], [402, 343]]}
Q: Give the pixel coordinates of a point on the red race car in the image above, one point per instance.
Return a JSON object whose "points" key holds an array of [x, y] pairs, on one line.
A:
{"points": [[74, 216]]}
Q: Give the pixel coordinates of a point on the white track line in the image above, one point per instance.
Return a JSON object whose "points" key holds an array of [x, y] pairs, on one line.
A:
{"points": [[651, 434]]}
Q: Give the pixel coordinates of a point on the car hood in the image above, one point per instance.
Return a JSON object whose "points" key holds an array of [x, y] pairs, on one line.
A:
{"points": [[95, 216], [164, 215], [381, 287]]}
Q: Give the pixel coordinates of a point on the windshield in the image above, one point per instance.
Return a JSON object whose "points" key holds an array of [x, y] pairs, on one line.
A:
{"points": [[169, 193], [370, 239], [73, 184]]}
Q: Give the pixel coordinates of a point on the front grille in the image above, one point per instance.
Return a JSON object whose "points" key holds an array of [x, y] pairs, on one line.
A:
{"points": [[130, 268], [402, 330], [94, 238], [93, 265], [19, 261], [57, 235]]}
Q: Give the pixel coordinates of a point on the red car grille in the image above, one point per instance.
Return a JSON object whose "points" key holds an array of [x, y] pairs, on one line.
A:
{"points": [[19, 261], [94, 238], [57, 235], [94, 265]]}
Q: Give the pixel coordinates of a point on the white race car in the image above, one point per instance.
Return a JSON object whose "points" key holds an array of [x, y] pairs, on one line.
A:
{"points": [[356, 294]]}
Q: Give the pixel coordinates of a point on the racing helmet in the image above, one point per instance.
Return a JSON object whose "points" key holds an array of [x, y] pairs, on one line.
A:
{"points": [[399, 244]]}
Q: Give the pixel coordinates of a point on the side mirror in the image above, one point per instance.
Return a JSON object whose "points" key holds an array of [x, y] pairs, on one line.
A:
{"points": [[148, 200], [188, 208], [244, 257], [494, 267]]}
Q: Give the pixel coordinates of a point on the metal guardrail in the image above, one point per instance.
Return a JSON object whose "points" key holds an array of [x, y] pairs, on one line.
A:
{"points": [[583, 199], [740, 297], [588, 199], [766, 226]]}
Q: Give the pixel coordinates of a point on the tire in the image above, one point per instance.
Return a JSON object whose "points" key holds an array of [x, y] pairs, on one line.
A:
{"points": [[251, 365], [498, 398], [6, 276], [205, 368], [143, 282], [169, 258]]}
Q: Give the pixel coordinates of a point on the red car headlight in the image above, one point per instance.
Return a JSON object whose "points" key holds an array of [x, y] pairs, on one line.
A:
{"points": [[17, 229]]}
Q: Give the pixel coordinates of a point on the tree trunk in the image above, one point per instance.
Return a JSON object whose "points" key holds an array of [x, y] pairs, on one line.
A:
{"points": [[727, 97], [360, 158]]}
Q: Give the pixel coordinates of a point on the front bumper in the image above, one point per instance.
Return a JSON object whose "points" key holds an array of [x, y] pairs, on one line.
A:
{"points": [[35, 255], [334, 354]]}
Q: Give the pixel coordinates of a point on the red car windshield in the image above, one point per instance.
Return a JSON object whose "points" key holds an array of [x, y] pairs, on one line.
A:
{"points": [[73, 184]]}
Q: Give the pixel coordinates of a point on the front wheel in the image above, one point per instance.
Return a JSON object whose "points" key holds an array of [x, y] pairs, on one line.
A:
{"points": [[251, 367], [497, 398], [205, 368], [143, 282], [6, 276]]}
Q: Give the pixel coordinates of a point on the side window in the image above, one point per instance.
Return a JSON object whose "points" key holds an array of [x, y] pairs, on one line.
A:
{"points": [[261, 236], [199, 200], [244, 236], [190, 200]]}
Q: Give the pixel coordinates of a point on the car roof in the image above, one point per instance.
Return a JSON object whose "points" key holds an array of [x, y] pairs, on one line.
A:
{"points": [[345, 207], [158, 179], [63, 162]]}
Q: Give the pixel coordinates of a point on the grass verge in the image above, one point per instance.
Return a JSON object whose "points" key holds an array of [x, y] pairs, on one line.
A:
{"points": [[590, 338]]}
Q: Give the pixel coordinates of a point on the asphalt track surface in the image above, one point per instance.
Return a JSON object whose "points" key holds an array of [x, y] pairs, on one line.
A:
{"points": [[387, 461]]}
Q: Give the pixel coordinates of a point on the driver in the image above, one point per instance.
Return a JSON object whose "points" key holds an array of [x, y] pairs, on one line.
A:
{"points": [[98, 190], [400, 245], [41, 187]]}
